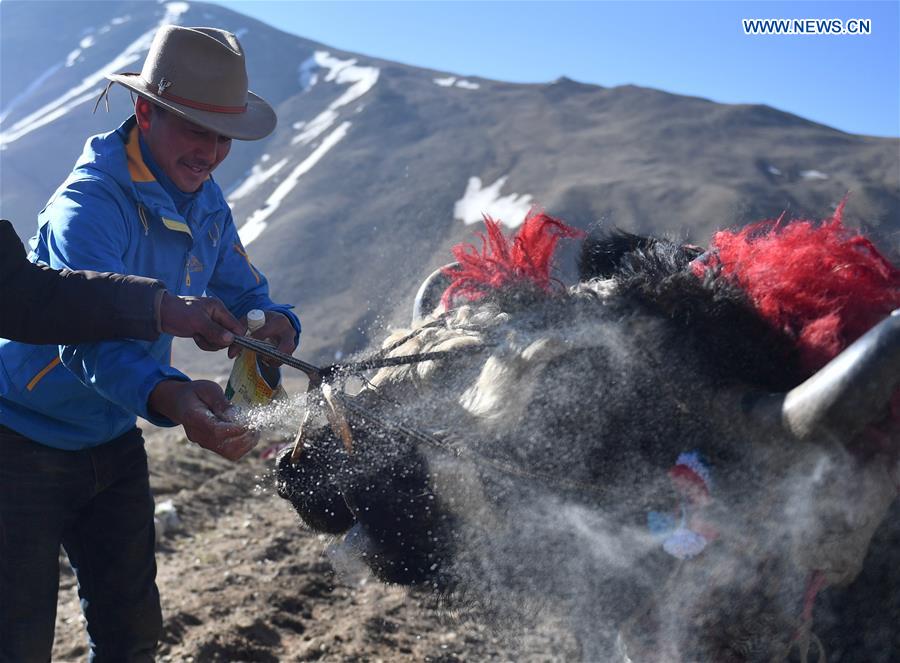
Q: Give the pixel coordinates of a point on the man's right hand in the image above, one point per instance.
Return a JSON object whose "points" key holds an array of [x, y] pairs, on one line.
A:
{"points": [[204, 319], [202, 409]]}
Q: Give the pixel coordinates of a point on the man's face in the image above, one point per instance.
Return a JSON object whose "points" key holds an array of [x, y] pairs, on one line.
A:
{"points": [[185, 151]]}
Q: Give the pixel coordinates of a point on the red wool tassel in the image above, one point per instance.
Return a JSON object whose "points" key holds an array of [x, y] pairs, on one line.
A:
{"points": [[824, 284], [501, 262]]}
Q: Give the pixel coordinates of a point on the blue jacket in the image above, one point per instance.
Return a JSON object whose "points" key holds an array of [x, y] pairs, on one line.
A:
{"points": [[111, 215]]}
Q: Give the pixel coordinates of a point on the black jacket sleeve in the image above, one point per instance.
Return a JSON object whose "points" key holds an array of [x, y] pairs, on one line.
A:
{"points": [[43, 305]]}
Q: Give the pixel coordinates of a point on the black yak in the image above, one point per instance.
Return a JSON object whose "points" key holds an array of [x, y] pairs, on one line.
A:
{"points": [[685, 455]]}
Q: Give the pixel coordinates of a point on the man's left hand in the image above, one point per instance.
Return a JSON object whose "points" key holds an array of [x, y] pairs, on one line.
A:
{"points": [[278, 331]]}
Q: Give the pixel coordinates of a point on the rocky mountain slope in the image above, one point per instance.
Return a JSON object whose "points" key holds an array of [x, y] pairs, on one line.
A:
{"points": [[378, 168]]}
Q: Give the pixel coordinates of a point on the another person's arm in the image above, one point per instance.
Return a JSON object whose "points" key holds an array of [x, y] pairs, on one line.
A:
{"points": [[43, 305]]}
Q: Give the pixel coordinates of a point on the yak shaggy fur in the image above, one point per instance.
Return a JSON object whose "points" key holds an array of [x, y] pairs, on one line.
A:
{"points": [[547, 452]]}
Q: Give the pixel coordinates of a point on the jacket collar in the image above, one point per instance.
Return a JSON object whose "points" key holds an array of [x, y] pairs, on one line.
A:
{"points": [[137, 167], [134, 174]]}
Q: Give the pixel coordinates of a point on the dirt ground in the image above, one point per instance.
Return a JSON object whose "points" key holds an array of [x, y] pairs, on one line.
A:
{"points": [[242, 580]]}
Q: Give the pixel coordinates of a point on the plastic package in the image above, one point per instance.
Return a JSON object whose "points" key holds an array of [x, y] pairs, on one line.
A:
{"points": [[253, 382]]}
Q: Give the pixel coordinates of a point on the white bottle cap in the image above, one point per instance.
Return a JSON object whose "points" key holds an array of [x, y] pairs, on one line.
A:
{"points": [[255, 319]]}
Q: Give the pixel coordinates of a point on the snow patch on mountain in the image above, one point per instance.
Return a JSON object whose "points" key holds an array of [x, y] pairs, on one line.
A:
{"points": [[72, 57], [307, 73], [452, 81], [92, 85], [175, 9], [479, 200], [258, 174], [342, 72], [257, 223], [28, 91], [83, 45], [315, 127]]}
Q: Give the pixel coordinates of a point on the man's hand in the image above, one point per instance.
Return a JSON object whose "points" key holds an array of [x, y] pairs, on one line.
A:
{"points": [[278, 331], [204, 319], [201, 407]]}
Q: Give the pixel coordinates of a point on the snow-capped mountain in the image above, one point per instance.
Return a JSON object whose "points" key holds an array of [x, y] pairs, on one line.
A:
{"points": [[376, 168]]}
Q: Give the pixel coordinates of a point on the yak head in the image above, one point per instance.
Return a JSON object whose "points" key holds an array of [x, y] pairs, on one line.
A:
{"points": [[674, 455]]}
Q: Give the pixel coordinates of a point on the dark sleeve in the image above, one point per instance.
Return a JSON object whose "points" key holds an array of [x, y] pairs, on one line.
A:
{"points": [[42, 305]]}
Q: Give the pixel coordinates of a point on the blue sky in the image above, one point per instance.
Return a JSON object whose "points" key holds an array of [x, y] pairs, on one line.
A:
{"points": [[851, 82]]}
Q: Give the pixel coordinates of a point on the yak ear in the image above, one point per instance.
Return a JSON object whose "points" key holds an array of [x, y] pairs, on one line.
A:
{"points": [[850, 392], [618, 252], [602, 254], [431, 291]]}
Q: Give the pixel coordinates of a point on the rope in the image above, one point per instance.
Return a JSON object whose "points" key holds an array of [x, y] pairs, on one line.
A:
{"points": [[328, 372], [317, 375], [461, 451], [415, 332]]}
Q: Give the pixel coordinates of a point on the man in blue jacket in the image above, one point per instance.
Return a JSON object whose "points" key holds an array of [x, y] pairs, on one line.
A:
{"points": [[141, 200]]}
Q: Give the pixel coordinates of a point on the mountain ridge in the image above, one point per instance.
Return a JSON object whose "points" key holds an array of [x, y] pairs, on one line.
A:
{"points": [[377, 168]]}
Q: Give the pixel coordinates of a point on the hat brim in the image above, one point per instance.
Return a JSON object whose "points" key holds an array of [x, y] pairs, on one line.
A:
{"points": [[256, 122]]}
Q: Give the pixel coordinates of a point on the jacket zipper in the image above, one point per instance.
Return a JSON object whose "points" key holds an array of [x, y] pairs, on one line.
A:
{"points": [[143, 216], [187, 270]]}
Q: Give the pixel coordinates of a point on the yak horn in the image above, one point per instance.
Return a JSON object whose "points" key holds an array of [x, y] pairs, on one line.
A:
{"points": [[430, 292], [847, 394]]}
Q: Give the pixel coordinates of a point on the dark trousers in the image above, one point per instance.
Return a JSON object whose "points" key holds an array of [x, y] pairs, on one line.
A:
{"points": [[97, 504]]}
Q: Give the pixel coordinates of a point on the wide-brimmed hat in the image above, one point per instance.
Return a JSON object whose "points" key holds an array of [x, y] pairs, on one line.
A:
{"points": [[200, 74]]}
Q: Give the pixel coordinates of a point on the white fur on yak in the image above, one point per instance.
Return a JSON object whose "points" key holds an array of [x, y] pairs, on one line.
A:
{"points": [[651, 456]]}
